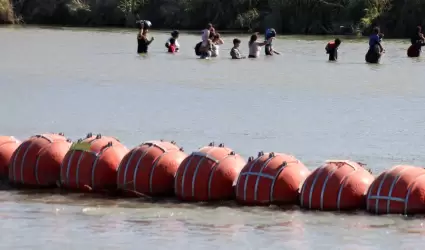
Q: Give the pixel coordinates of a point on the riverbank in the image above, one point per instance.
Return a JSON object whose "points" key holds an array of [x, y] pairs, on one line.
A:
{"points": [[396, 19]]}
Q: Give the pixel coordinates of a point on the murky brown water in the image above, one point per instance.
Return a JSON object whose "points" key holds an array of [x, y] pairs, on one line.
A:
{"points": [[76, 81]]}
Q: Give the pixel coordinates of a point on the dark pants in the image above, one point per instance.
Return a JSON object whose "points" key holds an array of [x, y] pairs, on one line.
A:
{"points": [[333, 54], [373, 55], [198, 49], [268, 50], [415, 50]]}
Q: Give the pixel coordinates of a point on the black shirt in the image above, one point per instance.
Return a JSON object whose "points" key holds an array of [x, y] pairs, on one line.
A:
{"points": [[416, 38], [142, 44]]}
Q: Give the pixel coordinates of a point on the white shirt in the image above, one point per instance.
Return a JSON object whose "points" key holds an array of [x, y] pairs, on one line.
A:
{"points": [[205, 35], [254, 49], [176, 42], [214, 51]]}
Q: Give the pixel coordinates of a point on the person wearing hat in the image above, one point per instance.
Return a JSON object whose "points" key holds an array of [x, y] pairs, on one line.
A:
{"points": [[142, 37], [173, 40]]}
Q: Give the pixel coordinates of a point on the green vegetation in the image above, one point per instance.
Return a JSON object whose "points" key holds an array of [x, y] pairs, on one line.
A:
{"points": [[395, 17], [6, 12]]}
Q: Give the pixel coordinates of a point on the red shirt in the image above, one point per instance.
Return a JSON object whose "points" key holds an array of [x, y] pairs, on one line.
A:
{"points": [[172, 48], [331, 45]]}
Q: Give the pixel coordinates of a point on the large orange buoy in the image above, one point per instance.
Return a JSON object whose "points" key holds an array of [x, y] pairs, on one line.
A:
{"points": [[8, 145], [336, 185], [150, 168], [208, 174], [414, 51], [91, 164], [271, 178], [399, 190], [36, 162]]}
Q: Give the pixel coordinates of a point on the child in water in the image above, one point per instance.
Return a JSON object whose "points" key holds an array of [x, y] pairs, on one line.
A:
{"points": [[216, 42], [172, 47], [268, 49], [332, 49], [174, 36], [234, 52]]}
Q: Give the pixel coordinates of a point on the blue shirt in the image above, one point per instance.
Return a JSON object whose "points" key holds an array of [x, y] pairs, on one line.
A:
{"points": [[266, 34], [373, 40]]}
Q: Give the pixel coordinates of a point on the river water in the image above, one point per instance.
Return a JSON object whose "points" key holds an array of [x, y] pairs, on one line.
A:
{"points": [[78, 81]]}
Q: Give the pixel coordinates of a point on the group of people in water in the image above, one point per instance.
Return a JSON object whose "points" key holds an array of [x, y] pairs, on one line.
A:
{"points": [[211, 41]]}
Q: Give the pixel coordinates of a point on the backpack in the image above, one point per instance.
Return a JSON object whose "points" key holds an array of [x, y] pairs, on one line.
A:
{"points": [[197, 49]]}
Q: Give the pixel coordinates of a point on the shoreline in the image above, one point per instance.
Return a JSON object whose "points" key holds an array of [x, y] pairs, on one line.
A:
{"points": [[185, 31]]}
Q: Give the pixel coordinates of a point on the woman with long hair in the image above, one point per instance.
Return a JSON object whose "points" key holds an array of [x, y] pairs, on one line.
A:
{"points": [[255, 46]]}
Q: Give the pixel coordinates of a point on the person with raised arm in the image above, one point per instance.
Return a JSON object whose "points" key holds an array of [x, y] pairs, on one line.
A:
{"points": [[142, 39]]}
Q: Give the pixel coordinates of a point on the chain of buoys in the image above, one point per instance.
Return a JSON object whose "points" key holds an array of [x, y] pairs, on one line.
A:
{"points": [[100, 164]]}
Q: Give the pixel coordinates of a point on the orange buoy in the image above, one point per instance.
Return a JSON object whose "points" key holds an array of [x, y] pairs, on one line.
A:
{"points": [[399, 190], [271, 178], [36, 162], [91, 164], [208, 174], [336, 185], [8, 145], [150, 168], [414, 51]]}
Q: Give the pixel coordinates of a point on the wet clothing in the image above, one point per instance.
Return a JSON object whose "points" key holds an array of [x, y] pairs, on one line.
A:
{"points": [[417, 38], [172, 48], [206, 34], [373, 40], [176, 43], [142, 44], [268, 48], [269, 34], [373, 55], [206, 54], [215, 50], [254, 50], [235, 53], [414, 50], [198, 49], [332, 50]]}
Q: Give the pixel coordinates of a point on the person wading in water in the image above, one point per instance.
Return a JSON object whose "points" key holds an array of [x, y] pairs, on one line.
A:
{"points": [[255, 47], [235, 52], [376, 50], [268, 48], [174, 36], [204, 46], [417, 40], [332, 49], [142, 39], [216, 42]]}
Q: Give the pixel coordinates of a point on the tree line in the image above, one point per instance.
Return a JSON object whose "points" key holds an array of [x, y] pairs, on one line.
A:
{"points": [[397, 18]]}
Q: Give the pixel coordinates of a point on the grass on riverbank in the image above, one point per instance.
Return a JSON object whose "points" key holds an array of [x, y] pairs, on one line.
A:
{"points": [[6, 12]]}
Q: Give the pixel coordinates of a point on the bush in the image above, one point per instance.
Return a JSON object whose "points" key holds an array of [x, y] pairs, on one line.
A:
{"points": [[395, 17], [6, 12]]}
